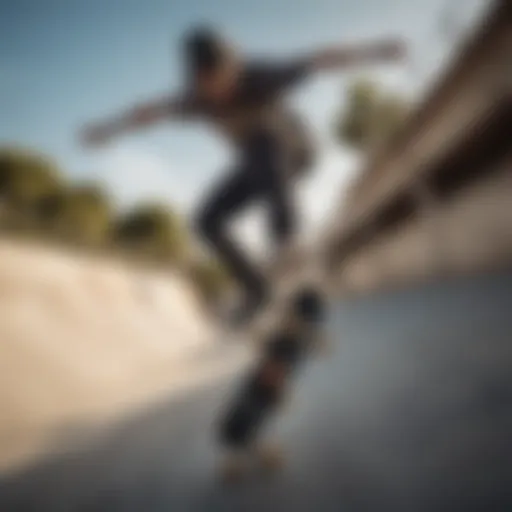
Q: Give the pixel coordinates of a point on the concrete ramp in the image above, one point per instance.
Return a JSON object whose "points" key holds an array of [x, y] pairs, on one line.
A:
{"points": [[84, 340]]}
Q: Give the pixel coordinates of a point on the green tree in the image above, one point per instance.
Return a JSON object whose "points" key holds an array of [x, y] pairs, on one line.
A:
{"points": [[371, 116], [154, 230], [82, 213], [210, 278], [27, 179]]}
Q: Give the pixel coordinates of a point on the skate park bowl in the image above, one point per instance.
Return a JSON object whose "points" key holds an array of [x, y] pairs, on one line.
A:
{"points": [[85, 340]]}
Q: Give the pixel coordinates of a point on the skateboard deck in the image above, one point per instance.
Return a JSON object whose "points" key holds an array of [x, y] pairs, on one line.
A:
{"points": [[260, 394]]}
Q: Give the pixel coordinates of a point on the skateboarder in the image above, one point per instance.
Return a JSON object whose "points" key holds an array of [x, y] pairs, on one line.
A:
{"points": [[244, 99]]}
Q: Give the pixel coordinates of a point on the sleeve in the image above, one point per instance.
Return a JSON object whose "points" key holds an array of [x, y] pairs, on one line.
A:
{"points": [[277, 77]]}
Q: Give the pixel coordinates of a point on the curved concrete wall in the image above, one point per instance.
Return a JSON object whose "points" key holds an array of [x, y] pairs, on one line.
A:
{"points": [[83, 339]]}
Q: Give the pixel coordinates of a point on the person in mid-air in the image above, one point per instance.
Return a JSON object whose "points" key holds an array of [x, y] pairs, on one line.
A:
{"points": [[244, 99]]}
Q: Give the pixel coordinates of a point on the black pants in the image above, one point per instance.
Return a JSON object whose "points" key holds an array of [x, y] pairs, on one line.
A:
{"points": [[265, 174]]}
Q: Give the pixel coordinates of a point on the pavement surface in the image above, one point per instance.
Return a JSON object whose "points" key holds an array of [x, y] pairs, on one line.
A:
{"points": [[411, 410]]}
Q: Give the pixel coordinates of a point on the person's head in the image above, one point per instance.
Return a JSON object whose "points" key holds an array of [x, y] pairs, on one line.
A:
{"points": [[211, 63]]}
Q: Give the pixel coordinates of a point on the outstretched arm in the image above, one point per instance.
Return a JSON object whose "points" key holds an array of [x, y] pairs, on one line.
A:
{"points": [[387, 50], [140, 116], [335, 58]]}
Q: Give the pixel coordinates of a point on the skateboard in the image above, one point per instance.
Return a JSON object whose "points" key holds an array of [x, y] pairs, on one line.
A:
{"points": [[265, 389]]}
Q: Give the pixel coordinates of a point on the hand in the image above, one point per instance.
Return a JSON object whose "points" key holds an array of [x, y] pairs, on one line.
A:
{"points": [[391, 50], [96, 135]]}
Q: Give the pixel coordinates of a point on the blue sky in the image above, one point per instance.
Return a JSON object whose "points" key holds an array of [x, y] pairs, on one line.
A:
{"points": [[63, 62]]}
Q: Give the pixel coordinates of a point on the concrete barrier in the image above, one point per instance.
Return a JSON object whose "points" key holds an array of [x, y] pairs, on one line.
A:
{"points": [[470, 233]]}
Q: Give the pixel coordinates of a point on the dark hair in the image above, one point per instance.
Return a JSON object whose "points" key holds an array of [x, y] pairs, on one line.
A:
{"points": [[204, 50]]}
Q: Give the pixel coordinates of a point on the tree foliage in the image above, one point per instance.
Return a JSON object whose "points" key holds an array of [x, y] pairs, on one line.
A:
{"points": [[83, 213], [35, 198], [27, 182], [153, 229], [27, 178], [371, 116], [210, 278]]}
